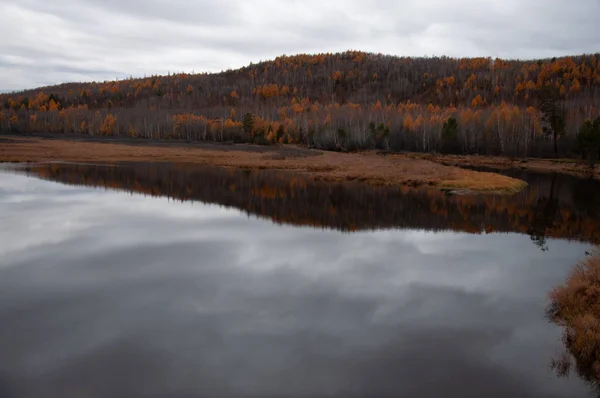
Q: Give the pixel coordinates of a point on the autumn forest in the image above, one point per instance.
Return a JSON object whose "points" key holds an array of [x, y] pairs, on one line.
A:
{"points": [[344, 101]]}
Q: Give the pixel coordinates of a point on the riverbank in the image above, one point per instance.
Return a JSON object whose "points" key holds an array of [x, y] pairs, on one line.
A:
{"points": [[573, 167], [367, 166], [575, 307]]}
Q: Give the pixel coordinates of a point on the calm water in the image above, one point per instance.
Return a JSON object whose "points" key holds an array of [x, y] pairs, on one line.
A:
{"points": [[292, 289]]}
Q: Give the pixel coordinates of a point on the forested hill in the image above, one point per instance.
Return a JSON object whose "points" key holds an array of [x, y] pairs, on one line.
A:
{"points": [[341, 101]]}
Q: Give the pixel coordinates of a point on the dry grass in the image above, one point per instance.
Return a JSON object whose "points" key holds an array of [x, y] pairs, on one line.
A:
{"points": [[575, 306], [563, 166], [482, 182], [329, 166]]}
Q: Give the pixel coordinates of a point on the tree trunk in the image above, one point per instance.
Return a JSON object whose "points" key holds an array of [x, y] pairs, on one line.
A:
{"points": [[555, 146]]}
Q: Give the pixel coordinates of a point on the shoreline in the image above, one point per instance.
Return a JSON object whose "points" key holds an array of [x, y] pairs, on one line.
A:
{"points": [[572, 167], [368, 167]]}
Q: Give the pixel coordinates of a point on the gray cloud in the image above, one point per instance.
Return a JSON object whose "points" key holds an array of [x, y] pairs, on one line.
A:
{"points": [[66, 40]]}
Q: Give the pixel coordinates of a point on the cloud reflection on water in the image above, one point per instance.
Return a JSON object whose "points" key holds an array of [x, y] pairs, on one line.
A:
{"points": [[124, 295]]}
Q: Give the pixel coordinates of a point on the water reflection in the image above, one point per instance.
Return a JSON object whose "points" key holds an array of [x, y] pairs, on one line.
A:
{"points": [[552, 206], [104, 293], [545, 214]]}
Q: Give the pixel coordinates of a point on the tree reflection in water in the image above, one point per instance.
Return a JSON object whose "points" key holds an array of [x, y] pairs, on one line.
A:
{"points": [[550, 207]]}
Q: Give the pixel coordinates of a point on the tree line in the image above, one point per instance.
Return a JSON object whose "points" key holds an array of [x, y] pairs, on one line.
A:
{"points": [[344, 101]]}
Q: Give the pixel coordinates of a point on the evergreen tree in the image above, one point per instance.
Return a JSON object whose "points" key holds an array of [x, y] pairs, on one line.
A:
{"points": [[450, 136], [553, 114]]}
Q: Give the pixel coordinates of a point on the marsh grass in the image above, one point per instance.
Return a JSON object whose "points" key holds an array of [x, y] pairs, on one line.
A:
{"points": [[367, 166], [484, 183], [575, 306]]}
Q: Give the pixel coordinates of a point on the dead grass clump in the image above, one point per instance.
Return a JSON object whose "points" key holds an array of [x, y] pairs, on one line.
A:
{"points": [[483, 182], [575, 306]]}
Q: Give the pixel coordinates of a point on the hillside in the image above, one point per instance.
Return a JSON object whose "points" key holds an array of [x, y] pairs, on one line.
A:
{"points": [[342, 101]]}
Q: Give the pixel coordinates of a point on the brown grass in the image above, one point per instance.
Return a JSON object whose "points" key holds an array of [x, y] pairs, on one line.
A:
{"points": [[329, 166], [575, 307], [572, 167]]}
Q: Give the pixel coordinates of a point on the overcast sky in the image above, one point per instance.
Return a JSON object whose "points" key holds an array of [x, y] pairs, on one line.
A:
{"points": [[47, 42]]}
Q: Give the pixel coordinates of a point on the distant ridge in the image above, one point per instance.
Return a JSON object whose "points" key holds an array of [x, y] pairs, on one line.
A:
{"points": [[342, 101]]}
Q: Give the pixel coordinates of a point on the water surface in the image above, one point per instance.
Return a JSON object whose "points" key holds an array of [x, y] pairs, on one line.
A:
{"points": [[293, 289]]}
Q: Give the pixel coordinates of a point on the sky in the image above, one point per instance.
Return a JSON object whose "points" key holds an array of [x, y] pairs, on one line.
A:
{"points": [[49, 42]]}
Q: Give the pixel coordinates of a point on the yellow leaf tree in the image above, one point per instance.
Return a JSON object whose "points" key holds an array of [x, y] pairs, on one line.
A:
{"points": [[108, 126]]}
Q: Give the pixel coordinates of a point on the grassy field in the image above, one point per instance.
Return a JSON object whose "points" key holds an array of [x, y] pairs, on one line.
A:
{"points": [[369, 166]]}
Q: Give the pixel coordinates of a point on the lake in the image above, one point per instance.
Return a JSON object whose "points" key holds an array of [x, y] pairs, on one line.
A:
{"points": [[149, 280]]}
